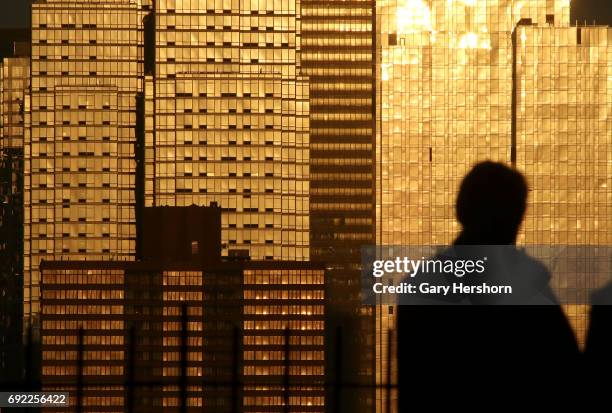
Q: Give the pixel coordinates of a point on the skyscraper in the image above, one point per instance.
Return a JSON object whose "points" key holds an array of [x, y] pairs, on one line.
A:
{"points": [[87, 65], [227, 112], [445, 103], [563, 91], [14, 85], [454, 90], [250, 333], [338, 50]]}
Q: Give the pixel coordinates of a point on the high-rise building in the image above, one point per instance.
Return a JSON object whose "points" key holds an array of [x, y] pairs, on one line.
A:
{"points": [[564, 132], [81, 116], [465, 81], [14, 85], [184, 326], [563, 138], [445, 103], [338, 49], [227, 121], [277, 315]]}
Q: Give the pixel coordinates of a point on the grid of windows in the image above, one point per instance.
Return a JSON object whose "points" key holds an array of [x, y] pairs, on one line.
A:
{"points": [[92, 300], [182, 288], [337, 44], [337, 55], [564, 140], [236, 321], [275, 311], [15, 80], [228, 121], [79, 142]]}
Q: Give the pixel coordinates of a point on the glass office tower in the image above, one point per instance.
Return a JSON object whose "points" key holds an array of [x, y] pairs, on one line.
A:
{"points": [[454, 90], [227, 121], [80, 136], [564, 140], [445, 103], [338, 58]]}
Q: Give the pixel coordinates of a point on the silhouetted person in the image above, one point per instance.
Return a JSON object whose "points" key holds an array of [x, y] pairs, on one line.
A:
{"points": [[460, 338], [491, 204]]}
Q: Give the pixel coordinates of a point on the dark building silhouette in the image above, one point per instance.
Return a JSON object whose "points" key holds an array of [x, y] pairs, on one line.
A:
{"points": [[181, 234], [11, 263], [8, 37], [16, 14], [591, 12], [14, 85]]}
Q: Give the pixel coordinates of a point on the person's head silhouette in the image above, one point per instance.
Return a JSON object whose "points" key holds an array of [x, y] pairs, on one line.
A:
{"points": [[491, 203]]}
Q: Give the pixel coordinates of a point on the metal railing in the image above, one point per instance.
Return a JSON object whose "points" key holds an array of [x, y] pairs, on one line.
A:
{"points": [[334, 389]]}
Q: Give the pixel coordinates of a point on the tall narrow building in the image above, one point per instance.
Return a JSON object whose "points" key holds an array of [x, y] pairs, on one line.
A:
{"points": [[227, 121], [338, 57], [80, 166], [14, 86]]}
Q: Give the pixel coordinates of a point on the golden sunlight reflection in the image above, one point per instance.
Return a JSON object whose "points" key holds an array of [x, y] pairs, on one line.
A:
{"points": [[468, 41], [413, 16], [473, 41]]}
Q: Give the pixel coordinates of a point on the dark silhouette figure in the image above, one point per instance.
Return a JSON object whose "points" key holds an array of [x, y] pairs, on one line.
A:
{"points": [[504, 345], [599, 338], [491, 204]]}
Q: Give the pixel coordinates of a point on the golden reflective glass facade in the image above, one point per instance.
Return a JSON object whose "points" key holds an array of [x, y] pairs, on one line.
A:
{"points": [[564, 139], [80, 135], [445, 76], [228, 120], [445, 101], [564, 128]]}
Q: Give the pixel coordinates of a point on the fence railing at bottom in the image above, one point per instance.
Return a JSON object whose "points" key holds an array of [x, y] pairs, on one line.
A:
{"points": [[334, 388]]}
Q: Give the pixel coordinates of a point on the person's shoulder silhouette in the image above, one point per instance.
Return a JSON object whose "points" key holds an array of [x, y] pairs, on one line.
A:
{"points": [[599, 337], [492, 339]]}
